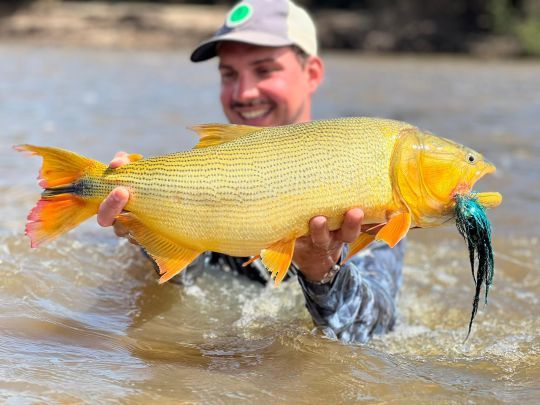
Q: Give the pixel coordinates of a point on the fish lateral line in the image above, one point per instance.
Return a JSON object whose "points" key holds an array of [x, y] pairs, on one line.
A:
{"points": [[74, 188]]}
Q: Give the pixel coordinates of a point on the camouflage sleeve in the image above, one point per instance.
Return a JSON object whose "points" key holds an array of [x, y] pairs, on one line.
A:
{"points": [[360, 300]]}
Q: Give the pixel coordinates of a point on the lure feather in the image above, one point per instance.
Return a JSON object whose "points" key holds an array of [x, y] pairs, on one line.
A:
{"points": [[473, 224]]}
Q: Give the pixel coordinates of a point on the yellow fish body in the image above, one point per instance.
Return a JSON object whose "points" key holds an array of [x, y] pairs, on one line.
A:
{"points": [[250, 191]]}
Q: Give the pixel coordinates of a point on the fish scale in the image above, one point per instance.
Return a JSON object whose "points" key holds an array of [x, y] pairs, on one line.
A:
{"points": [[276, 176]]}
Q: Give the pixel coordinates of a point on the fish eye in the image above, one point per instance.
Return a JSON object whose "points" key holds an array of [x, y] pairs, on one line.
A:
{"points": [[471, 158]]}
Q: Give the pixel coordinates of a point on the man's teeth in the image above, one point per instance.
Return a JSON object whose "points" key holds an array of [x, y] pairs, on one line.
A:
{"points": [[254, 114]]}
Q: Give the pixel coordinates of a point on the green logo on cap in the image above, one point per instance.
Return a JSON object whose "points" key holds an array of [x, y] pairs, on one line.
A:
{"points": [[239, 14]]}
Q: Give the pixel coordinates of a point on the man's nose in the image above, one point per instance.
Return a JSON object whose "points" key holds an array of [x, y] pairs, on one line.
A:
{"points": [[246, 89]]}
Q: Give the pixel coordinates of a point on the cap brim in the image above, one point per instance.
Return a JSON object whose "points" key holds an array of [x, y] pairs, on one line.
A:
{"points": [[207, 49]]}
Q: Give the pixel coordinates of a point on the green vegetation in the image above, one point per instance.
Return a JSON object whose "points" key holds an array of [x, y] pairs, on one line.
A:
{"points": [[528, 33], [521, 23], [400, 25]]}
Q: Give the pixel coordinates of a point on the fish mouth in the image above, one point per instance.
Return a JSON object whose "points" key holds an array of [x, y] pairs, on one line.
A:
{"points": [[466, 187], [486, 199], [485, 168], [488, 169]]}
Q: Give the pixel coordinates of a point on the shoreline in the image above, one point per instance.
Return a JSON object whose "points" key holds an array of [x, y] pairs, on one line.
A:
{"points": [[119, 25], [174, 26]]}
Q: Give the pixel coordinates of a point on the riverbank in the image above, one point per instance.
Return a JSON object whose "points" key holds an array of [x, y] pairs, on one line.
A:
{"points": [[121, 25], [163, 26]]}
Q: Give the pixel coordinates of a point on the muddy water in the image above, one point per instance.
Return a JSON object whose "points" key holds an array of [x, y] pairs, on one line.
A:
{"points": [[83, 319]]}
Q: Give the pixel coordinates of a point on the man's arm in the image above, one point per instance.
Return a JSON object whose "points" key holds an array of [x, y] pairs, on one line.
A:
{"points": [[360, 300]]}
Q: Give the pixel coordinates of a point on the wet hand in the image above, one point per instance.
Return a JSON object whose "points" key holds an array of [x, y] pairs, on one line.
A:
{"points": [[316, 253], [115, 202]]}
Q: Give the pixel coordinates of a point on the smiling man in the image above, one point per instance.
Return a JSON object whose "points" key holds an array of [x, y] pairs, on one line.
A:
{"points": [[269, 71], [267, 86], [268, 63]]}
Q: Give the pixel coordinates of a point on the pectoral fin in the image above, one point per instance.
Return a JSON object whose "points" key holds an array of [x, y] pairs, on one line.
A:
{"points": [[489, 200], [361, 242], [170, 257], [277, 259], [395, 229], [249, 261]]}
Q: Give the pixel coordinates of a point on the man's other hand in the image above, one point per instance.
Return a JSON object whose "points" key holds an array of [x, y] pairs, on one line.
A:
{"points": [[115, 202]]}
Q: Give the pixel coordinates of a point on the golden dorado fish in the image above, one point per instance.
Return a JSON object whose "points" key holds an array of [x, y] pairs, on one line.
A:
{"points": [[251, 191]]}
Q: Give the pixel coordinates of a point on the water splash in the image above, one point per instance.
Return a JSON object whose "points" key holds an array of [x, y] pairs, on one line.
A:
{"points": [[473, 224]]}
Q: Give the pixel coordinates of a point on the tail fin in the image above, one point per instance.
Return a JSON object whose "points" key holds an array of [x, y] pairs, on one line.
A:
{"points": [[62, 206]]}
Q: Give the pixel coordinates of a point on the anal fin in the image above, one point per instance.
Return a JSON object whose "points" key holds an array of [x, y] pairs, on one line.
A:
{"points": [[170, 257], [277, 259]]}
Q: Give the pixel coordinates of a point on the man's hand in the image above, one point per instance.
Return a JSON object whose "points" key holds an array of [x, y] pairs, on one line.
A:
{"points": [[316, 253], [115, 202]]}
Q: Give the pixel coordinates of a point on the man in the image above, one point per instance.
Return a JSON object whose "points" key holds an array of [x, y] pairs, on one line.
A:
{"points": [[269, 70]]}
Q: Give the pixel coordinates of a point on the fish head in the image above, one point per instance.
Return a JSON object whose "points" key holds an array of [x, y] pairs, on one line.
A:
{"points": [[430, 171]]}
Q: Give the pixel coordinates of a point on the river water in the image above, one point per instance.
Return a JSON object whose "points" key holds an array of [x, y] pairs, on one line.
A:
{"points": [[83, 319]]}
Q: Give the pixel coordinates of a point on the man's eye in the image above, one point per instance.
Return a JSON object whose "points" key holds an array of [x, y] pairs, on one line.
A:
{"points": [[264, 71], [227, 76]]}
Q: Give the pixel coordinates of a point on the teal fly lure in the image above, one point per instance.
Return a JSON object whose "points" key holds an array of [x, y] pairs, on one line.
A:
{"points": [[473, 224]]}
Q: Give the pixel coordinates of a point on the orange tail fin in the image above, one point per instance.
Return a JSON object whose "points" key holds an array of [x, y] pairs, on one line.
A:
{"points": [[62, 205]]}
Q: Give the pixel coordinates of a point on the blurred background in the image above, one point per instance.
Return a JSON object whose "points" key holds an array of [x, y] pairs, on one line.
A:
{"points": [[480, 27]]}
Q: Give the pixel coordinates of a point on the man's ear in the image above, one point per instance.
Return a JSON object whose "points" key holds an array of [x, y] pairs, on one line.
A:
{"points": [[315, 71]]}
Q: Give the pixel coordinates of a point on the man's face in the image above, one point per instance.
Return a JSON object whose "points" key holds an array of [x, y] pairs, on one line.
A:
{"points": [[264, 86]]}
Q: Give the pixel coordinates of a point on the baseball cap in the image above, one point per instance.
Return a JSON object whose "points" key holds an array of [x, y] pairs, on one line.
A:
{"points": [[265, 23]]}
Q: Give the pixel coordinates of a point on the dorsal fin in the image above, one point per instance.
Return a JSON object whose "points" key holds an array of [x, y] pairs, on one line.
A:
{"points": [[216, 134]]}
